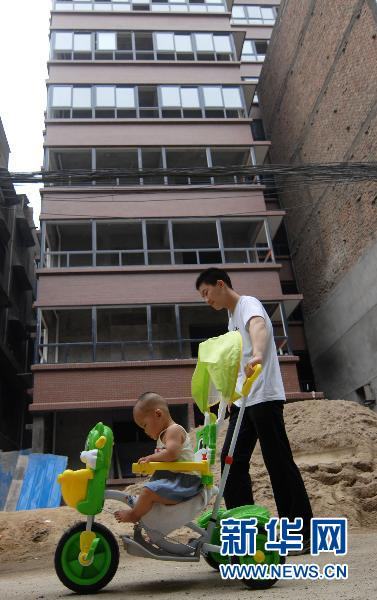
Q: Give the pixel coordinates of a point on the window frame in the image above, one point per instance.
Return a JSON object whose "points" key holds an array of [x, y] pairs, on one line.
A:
{"points": [[134, 54], [160, 110]]}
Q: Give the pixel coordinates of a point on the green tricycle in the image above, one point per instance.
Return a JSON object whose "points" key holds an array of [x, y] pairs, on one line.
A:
{"points": [[87, 555]]}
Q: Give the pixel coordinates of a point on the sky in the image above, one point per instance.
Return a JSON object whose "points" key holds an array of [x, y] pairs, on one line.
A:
{"points": [[24, 50]]}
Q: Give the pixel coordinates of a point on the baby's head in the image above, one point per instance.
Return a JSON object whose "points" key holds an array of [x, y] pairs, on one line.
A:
{"points": [[151, 413]]}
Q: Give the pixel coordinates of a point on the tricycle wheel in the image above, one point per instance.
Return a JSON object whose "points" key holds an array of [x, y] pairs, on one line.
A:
{"points": [[262, 557], [92, 578], [211, 561]]}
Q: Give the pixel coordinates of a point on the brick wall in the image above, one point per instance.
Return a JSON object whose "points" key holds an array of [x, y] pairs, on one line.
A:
{"points": [[68, 387], [318, 94]]}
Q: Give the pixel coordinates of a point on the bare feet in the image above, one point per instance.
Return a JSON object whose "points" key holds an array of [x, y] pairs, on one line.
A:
{"points": [[125, 516]]}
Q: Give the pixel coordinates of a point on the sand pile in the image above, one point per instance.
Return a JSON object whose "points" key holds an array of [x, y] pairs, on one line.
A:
{"points": [[335, 446]]}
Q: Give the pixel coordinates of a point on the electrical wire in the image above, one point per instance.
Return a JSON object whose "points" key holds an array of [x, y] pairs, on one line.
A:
{"points": [[320, 172], [274, 179]]}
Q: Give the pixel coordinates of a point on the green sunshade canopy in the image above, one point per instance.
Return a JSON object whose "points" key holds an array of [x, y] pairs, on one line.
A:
{"points": [[218, 365]]}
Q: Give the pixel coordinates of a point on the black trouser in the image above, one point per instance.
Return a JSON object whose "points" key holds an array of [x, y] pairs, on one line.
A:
{"points": [[265, 422]]}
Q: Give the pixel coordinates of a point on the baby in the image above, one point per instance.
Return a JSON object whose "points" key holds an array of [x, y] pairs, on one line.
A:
{"points": [[151, 413]]}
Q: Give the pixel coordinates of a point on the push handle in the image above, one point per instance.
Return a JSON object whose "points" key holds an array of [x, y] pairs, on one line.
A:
{"points": [[247, 384]]}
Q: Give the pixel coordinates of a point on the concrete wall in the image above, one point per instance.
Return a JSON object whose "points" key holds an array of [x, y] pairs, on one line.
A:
{"points": [[319, 104], [343, 332]]}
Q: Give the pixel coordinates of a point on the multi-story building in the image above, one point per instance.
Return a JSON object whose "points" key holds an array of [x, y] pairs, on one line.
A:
{"points": [[319, 106], [139, 93], [18, 249]]}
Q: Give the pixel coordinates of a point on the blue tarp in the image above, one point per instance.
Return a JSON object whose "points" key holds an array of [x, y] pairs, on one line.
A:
{"points": [[8, 463], [40, 488]]}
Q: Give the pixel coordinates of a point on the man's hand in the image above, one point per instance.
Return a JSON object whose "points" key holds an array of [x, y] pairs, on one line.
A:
{"points": [[249, 368]]}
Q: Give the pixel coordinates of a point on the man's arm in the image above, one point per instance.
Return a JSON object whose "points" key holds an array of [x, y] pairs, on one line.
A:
{"points": [[258, 336]]}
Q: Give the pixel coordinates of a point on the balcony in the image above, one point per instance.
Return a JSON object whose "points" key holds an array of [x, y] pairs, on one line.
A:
{"points": [[154, 165], [173, 6], [254, 15], [24, 228], [23, 268], [7, 192], [146, 46], [158, 242], [149, 102], [137, 333]]}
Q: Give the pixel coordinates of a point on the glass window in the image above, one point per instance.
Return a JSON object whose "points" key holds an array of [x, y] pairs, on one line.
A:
{"points": [[106, 41], [253, 12], [81, 97], [105, 95], [232, 97], [204, 42], [81, 42], [222, 43], [268, 14], [183, 43], [82, 6], [101, 6], [144, 41], [170, 96], [61, 96], [179, 8], [238, 12], [124, 41], [248, 47], [158, 8], [165, 41], [63, 41], [212, 96], [190, 97], [125, 97]]}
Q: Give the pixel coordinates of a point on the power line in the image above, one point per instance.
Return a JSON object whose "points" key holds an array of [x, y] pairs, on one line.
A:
{"points": [[274, 179], [319, 172]]}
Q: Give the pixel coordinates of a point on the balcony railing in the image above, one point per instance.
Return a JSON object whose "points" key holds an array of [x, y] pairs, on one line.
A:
{"points": [[82, 352], [121, 258]]}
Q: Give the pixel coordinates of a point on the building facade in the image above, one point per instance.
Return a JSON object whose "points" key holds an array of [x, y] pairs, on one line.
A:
{"points": [[319, 106], [18, 251], [139, 93]]}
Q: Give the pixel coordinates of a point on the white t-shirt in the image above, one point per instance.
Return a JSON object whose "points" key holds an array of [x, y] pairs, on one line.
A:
{"points": [[269, 385]]}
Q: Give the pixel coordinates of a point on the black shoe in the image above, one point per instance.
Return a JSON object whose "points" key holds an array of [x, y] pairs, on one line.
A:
{"points": [[305, 548]]}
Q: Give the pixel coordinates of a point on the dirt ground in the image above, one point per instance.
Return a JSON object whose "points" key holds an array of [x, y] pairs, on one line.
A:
{"points": [[335, 446], [139, 578]]}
